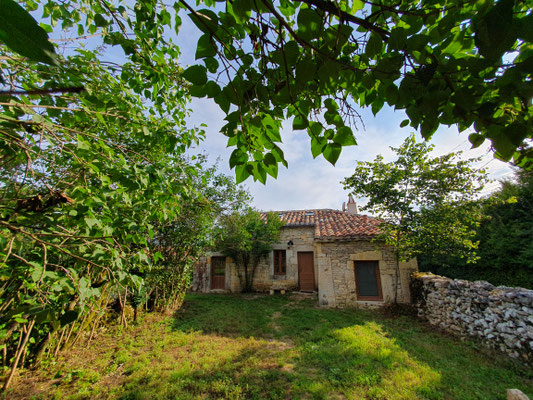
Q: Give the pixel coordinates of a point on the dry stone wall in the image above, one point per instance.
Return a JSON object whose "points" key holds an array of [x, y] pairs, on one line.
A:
{"points": [[501, 317]]}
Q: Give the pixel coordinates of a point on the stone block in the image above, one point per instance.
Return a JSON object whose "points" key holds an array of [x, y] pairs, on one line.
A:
{"points": [[515, 394]]}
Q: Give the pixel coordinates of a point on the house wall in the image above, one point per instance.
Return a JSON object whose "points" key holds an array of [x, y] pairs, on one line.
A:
{"points": [[334, 270], [264, 278], [337, 284], [201, 275]]}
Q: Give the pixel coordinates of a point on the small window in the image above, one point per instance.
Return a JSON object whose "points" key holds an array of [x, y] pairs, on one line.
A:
{"points": [[309, 213], [280, 262], [367, 280]]}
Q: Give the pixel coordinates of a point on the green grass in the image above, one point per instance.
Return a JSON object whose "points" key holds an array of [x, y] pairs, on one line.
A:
{"points": [[276, 347]]}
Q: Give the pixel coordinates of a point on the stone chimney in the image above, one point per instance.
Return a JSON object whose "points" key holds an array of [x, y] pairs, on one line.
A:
{"points": [[351, 207]]}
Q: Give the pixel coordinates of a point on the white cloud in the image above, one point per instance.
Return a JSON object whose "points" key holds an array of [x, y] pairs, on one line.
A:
{"points": [[315, 183]]}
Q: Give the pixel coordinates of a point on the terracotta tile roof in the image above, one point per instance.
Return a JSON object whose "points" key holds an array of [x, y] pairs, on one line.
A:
{"points": [[332, 224]]}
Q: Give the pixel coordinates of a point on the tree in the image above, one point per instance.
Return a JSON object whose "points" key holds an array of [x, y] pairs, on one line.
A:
{"points": [[455, 62], [504, 235], [426, 204], [247, 237], [180, 241], [92, 162], [506, 249]]}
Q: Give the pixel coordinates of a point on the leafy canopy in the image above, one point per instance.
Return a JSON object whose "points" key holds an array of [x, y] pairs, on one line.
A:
{"points": [[426, 203], [452, 62], [506, 234], [247, 237], [455, 62], [505, 247]]}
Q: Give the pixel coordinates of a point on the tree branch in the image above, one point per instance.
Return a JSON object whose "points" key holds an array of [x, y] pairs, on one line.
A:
{"points": [[74, 89], [332, 8]]}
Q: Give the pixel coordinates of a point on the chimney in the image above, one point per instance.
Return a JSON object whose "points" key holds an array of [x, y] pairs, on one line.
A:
{"points": [[351, 207], [343, 206]]}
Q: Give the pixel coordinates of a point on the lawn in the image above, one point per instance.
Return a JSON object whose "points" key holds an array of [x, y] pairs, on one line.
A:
{"points": [[275, 347]]}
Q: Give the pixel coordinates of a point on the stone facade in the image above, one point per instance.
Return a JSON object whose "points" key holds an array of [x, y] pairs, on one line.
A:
{"points": [[337, 276], [334, 271], [501, 317], [264, 278]]}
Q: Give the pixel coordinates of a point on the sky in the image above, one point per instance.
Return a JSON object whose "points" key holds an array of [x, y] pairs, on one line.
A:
{"points": [[310, 183]]}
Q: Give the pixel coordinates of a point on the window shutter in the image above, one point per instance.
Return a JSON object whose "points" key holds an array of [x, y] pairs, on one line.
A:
{"points": [[367, 280]]}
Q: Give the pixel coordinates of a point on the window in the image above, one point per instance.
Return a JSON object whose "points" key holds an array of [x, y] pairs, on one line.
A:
{"points": [[280, 262], [367, 280]]}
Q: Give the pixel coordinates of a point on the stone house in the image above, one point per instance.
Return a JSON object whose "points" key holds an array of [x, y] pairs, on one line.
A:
{"points": [[329, 252]]}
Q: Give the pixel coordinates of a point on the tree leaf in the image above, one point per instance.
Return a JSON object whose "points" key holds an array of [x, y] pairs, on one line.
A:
{"points": [[223, 102], [212, 89], [374, 45], [22, 34], [206, 20], [205, 47], [237, 158], [270, 159], [300, 123], [196, 74], [344, 137], [241, 173], [332, 152], [476, 139], [309, 24]]}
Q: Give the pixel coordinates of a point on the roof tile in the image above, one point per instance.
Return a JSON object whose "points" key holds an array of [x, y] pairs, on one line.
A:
{"points": [[332, 224]]}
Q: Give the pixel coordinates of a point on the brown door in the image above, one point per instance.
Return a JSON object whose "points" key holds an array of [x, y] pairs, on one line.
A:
{"points": [[306, 271], [218, 272]]}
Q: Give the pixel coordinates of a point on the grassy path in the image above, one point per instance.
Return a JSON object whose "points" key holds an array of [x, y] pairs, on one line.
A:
{"points": [[275, 347]]}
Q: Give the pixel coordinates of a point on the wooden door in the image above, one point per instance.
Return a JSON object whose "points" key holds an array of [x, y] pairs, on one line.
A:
{"points": [[218, 272], [306, 271]]}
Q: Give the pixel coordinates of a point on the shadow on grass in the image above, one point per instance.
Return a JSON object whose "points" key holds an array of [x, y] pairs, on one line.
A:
{"points": [[272, 347], [243, 371]]}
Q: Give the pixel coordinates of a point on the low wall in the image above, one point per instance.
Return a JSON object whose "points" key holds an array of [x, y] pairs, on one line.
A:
{"points": [[501, 317]]}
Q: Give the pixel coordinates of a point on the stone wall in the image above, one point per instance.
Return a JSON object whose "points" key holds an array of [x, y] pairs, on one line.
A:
{"points": [[337, 285], [501, 317], [201, 275], [264, 278]]}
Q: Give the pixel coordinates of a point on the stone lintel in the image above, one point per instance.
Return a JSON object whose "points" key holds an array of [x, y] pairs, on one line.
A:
{"points": [[367, 256]]}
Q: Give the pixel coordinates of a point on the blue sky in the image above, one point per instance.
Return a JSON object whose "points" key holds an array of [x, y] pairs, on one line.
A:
{"points": [[315, 183]]}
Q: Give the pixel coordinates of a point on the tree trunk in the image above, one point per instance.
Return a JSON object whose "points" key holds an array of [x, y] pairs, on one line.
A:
{"points": [[20, 350]]}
